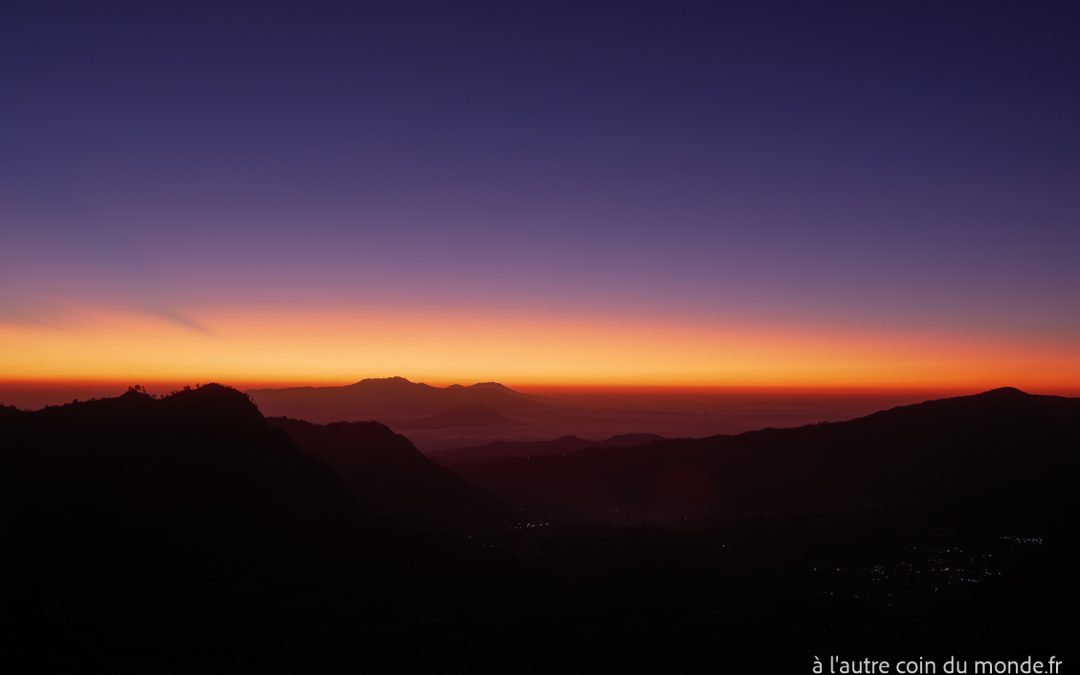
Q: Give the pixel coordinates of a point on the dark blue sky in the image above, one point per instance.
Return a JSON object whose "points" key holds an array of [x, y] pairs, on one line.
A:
{"points": [[908, 165]]}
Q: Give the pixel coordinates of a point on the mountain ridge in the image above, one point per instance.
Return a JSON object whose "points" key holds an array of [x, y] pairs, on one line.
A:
{"points": [[391, 398], [906, 454]]}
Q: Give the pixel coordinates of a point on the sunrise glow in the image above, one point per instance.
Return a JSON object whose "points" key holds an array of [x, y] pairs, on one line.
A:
{"points": [[336, 346]]}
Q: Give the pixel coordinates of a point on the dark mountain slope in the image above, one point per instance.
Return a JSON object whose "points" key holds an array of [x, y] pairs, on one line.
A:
{"points": [[392, 397], [391, 477], [1002, 442], [186, 534], [183, 528], [206, 451]]}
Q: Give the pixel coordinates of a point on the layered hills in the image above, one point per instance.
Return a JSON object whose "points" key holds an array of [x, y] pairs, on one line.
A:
{"points": [[1002, 442]]}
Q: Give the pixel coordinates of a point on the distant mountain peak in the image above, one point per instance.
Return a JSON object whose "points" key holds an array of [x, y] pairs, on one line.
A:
{"points": [[1004, 391], [383, 398], [395, 380], [496, 386]]}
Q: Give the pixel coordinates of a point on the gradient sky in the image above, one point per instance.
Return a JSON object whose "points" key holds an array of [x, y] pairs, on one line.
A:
{"points": [[753, 193]]}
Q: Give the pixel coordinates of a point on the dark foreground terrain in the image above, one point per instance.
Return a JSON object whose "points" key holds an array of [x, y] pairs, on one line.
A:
{"points": [[189, 533]]}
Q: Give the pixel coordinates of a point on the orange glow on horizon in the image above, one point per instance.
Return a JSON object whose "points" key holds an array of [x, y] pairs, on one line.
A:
{"points": [[529, 350]]}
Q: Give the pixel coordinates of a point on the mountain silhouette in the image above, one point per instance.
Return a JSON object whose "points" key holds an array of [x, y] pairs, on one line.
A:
{"points": [[1000, 442], [391, 477], [494, 386], [559, 446], [384, 398], [151, 518], [209, 445], [151, 534]]}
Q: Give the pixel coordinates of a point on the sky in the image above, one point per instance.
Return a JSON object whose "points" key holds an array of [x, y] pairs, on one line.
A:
{"points": [[666, 193]]}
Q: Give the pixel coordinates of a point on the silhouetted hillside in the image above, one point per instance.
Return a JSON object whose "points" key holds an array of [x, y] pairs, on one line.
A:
{"points": [[189, 533], [389, 475], [133, 520], [209, 449], [1001, 442], [558, 446], [393, 397]]}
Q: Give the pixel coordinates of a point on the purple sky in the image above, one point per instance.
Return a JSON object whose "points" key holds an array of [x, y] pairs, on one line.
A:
{"points": [[907, 165]]}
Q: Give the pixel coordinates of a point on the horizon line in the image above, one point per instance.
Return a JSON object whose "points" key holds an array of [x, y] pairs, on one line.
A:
{"points": [[244, 384]]}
